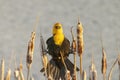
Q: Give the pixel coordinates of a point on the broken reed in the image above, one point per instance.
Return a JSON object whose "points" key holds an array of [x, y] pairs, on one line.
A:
{"points": [[104, 64], [2, 66], [30, 51], [80, 44]]}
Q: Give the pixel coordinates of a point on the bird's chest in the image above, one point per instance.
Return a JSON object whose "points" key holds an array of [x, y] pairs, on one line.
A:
{"points": [[58, 39]]}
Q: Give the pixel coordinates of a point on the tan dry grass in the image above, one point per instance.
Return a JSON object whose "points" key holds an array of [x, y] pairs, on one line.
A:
{"points": [[2, 66]]}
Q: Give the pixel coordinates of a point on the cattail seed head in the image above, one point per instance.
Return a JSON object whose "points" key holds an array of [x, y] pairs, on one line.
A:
{"points": [[30, 50], [104, 62], [74, 45], [80, 42]]}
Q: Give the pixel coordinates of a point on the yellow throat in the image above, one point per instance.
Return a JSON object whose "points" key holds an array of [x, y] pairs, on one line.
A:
{"points": [[58, 35]]}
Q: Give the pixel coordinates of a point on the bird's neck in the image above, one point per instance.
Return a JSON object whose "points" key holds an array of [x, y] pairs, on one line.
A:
{"points": [[58, 39]]}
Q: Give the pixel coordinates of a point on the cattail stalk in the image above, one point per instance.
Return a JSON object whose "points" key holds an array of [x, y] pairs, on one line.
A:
{"points": [[67, 75], [111, 70], [84, 75], [30, 53], [104, 64], [8, 76], [92, 72], [80, 44], [74, 77], [119, 67], [104, 60], [2, 69], [16, 74], [43, 54], [21, 72]]}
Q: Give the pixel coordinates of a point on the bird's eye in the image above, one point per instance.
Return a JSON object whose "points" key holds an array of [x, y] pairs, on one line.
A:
{"points": [[57, 27]]}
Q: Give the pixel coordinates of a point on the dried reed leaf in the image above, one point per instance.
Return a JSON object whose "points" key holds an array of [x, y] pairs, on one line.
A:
{"points": [[16, 74], [119, 65], [111, 70], [21, 73], [84, 75], [8, 76], [31, 78], [2, 69]]}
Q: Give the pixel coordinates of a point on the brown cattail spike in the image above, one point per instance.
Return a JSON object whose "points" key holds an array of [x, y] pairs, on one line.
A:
{"points": [[30, 52], [104, 64], [80, 38], [80, 44], [113, 65]]}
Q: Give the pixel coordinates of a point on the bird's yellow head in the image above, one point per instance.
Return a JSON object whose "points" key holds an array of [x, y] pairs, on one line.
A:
{"points": [[58, 35], [57, 29]]}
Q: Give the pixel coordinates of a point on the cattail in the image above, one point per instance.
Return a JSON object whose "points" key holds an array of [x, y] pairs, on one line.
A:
{"points": [[80, 38], [104, 64], [8, 76], [80, 44], [16, 74], [31, 78], [68, 75], [92, 71], [45, 62], [21, 73], [74, 46], [2, 69], [44, 56], [84, 75], [30, 53]]}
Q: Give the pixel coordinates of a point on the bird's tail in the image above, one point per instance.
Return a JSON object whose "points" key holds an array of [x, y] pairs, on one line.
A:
{"points": [[56, 69], [70, 66]]}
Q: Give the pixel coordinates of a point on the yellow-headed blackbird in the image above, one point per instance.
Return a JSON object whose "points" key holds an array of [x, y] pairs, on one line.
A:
{"points": [[58, 45]]}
